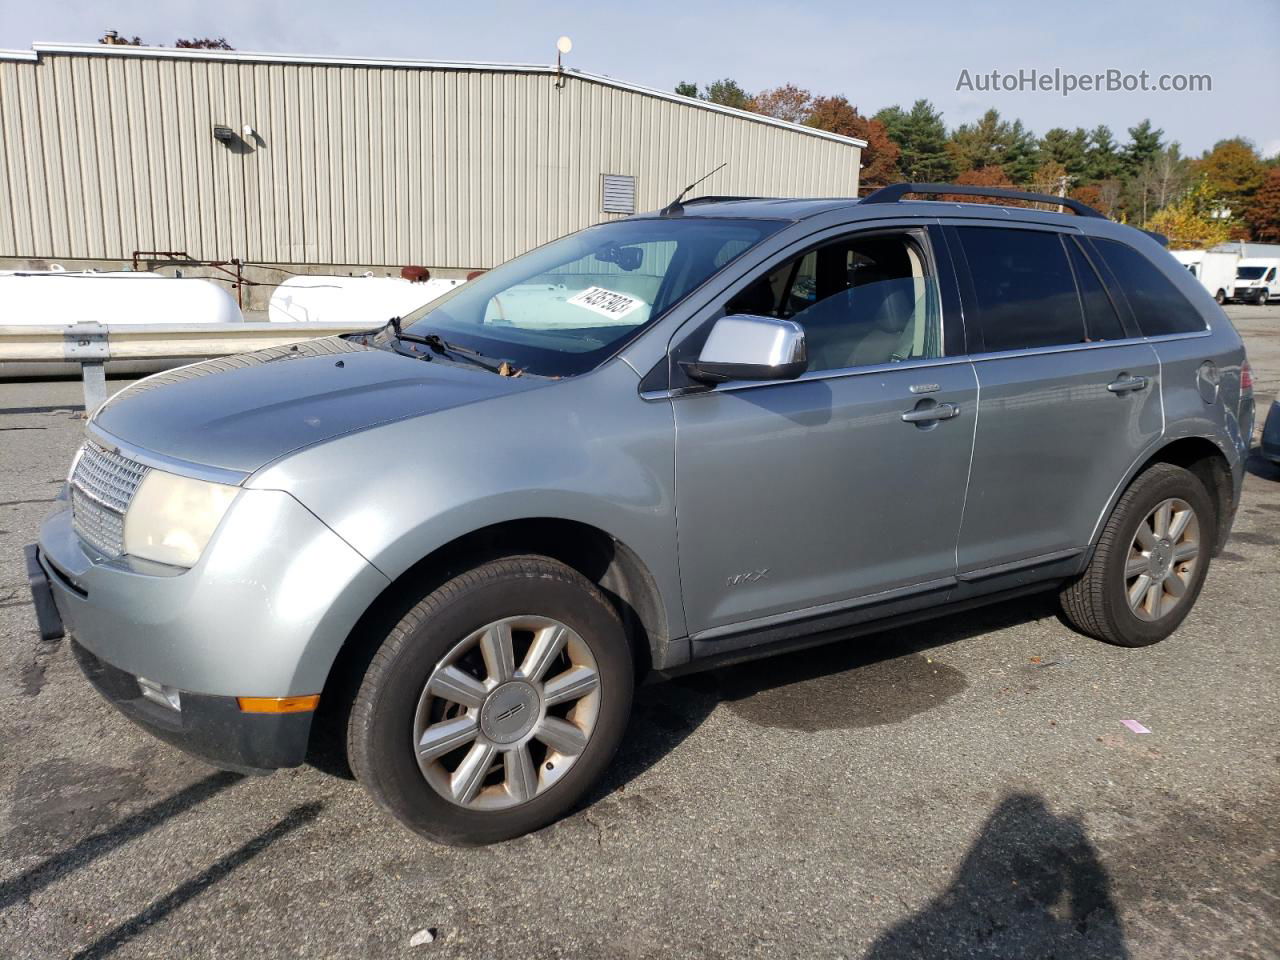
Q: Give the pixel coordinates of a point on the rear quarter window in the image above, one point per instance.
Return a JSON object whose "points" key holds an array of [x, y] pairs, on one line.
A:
{"points": [[1158, 306]]}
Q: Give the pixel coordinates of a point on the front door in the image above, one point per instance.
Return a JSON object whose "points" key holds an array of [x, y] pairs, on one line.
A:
{"points": [[799, 495]]}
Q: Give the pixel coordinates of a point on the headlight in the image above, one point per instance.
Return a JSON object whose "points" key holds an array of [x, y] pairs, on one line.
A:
{"points": [[172, 518]]}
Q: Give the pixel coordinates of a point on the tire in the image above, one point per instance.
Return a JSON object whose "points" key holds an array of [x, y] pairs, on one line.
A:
{"points": [[1098, 602], [400, 707], [1220, 297]]}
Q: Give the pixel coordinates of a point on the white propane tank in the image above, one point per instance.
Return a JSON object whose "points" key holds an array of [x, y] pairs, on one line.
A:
{"points": [[42, 297], [29, 297], [374, 300]]}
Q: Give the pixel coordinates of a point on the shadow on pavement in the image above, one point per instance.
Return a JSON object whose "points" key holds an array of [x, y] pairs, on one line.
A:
{"points": [[859, 682], [109, 942], [100, 844], [1031, 886]]}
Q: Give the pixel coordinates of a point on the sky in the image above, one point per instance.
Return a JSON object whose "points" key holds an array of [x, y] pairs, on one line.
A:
{"points": [[874, 55]]}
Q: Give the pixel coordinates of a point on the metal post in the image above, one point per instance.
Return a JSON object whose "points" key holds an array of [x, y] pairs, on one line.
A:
{"points": [[86, 343]]}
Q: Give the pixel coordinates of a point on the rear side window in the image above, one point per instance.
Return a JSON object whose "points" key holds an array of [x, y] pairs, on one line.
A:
{"points": [[1158, 305], [1026, 296], [1100, 318]]}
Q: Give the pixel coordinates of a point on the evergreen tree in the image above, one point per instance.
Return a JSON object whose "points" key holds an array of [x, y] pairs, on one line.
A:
{"points": [[922, 137], [1069, 148], [1144, 143], [1102, 158], [727, 93]]}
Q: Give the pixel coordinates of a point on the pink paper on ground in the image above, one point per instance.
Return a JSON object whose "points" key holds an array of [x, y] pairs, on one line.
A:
{"points": [[1135, 726]]}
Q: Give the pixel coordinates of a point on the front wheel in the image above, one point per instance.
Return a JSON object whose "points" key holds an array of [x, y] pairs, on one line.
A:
{"points": [[494, 704], [1150, 561]]}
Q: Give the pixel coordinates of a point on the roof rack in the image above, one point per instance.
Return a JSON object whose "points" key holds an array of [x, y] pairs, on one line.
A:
{"points": [[895, 192]]}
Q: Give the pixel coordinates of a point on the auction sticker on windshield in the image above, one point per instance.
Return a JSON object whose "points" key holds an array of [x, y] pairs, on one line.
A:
{"points": [[607, 303]]}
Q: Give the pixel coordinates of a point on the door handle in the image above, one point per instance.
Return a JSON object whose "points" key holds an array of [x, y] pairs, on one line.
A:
{"points": [[1125, 384], [941, 411]]}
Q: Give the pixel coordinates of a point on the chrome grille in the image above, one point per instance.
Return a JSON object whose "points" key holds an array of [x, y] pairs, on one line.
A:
{"points": [[102, 485]]}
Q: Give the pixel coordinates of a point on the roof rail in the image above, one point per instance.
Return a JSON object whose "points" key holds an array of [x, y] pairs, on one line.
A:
{"points": [[895, 192]]}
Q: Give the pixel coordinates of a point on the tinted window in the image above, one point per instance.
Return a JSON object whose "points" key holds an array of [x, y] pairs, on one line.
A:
{"points": [[1158, 305], [861, 300], [1100, 318], [1024, 288]]}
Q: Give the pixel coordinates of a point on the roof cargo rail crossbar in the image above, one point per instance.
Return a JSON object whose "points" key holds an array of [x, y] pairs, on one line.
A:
{"points": [[895, 192]]}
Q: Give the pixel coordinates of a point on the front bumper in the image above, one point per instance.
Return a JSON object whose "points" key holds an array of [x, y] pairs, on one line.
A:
{"points": [[209, 727], [262, 614]]}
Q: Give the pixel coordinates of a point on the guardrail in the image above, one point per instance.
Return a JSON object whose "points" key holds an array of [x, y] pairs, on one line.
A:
{"points": [[92, 344]]}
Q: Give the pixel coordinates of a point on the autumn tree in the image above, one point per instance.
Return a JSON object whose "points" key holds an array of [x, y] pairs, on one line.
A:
{"points": [[880, 155], [990, 176], [1233, 172], [1263, 214], [1188, 221], [1050, 177], [921, 137], [787, 102]]}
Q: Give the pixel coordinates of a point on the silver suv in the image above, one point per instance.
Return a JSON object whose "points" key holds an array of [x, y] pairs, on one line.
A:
{"points": [[729, 428]]}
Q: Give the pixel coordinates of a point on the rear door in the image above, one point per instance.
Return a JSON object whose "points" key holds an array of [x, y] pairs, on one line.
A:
{"points": [[1069, 393]]}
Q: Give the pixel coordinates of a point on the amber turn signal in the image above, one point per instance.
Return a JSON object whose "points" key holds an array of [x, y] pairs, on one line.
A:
{"points": [[278, 704]]}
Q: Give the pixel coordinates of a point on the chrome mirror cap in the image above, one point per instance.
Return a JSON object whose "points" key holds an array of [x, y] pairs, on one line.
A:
{"points": [[748, 347]]}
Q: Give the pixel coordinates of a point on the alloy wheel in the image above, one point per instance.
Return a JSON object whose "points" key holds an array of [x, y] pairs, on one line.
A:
{"points": [[506, 712], [1162, 559]]}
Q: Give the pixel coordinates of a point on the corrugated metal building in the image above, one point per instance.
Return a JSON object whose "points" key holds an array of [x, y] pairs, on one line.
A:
{"points": [[105, 150]]}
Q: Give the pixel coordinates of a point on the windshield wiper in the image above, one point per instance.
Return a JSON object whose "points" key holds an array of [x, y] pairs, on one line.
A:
{"points": [[453, 351]]}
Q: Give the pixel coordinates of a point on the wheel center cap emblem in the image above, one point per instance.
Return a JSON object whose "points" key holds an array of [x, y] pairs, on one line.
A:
{"points": [[509, 712]]}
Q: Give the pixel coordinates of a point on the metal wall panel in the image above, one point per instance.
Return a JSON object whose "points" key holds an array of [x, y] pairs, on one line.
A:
{"points": [[361, 163]]}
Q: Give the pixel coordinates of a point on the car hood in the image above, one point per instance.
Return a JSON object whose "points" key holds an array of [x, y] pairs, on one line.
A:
{"points": [[240, 413]]}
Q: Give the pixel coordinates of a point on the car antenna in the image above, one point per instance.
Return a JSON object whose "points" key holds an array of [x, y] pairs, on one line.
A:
{"points": [[674, 208]]}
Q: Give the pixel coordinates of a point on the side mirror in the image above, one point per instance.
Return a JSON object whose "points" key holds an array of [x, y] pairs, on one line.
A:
{"points": [[747, 347]]}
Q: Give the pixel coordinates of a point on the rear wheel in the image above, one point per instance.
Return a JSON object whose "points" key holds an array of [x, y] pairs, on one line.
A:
{"points": [[1150, 562], [494, 704], [1221, 297]]}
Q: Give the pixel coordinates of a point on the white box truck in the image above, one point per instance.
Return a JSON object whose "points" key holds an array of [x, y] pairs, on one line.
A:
{"points": [[1215, 269]]}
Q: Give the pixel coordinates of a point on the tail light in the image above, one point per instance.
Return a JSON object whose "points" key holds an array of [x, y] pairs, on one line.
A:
{"points": [[1246, 378]]}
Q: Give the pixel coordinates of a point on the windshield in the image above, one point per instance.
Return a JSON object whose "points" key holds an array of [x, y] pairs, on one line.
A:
{"points": [[1250, 273], [563, 308]]}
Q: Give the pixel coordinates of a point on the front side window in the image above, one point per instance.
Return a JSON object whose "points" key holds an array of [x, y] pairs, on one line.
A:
{"points": [[1025, 292], [861, 300], [565, 307], [1160, 308]]}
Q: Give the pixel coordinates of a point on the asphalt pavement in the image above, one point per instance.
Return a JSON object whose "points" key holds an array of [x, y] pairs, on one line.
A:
{"points": [[961, 788]]}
